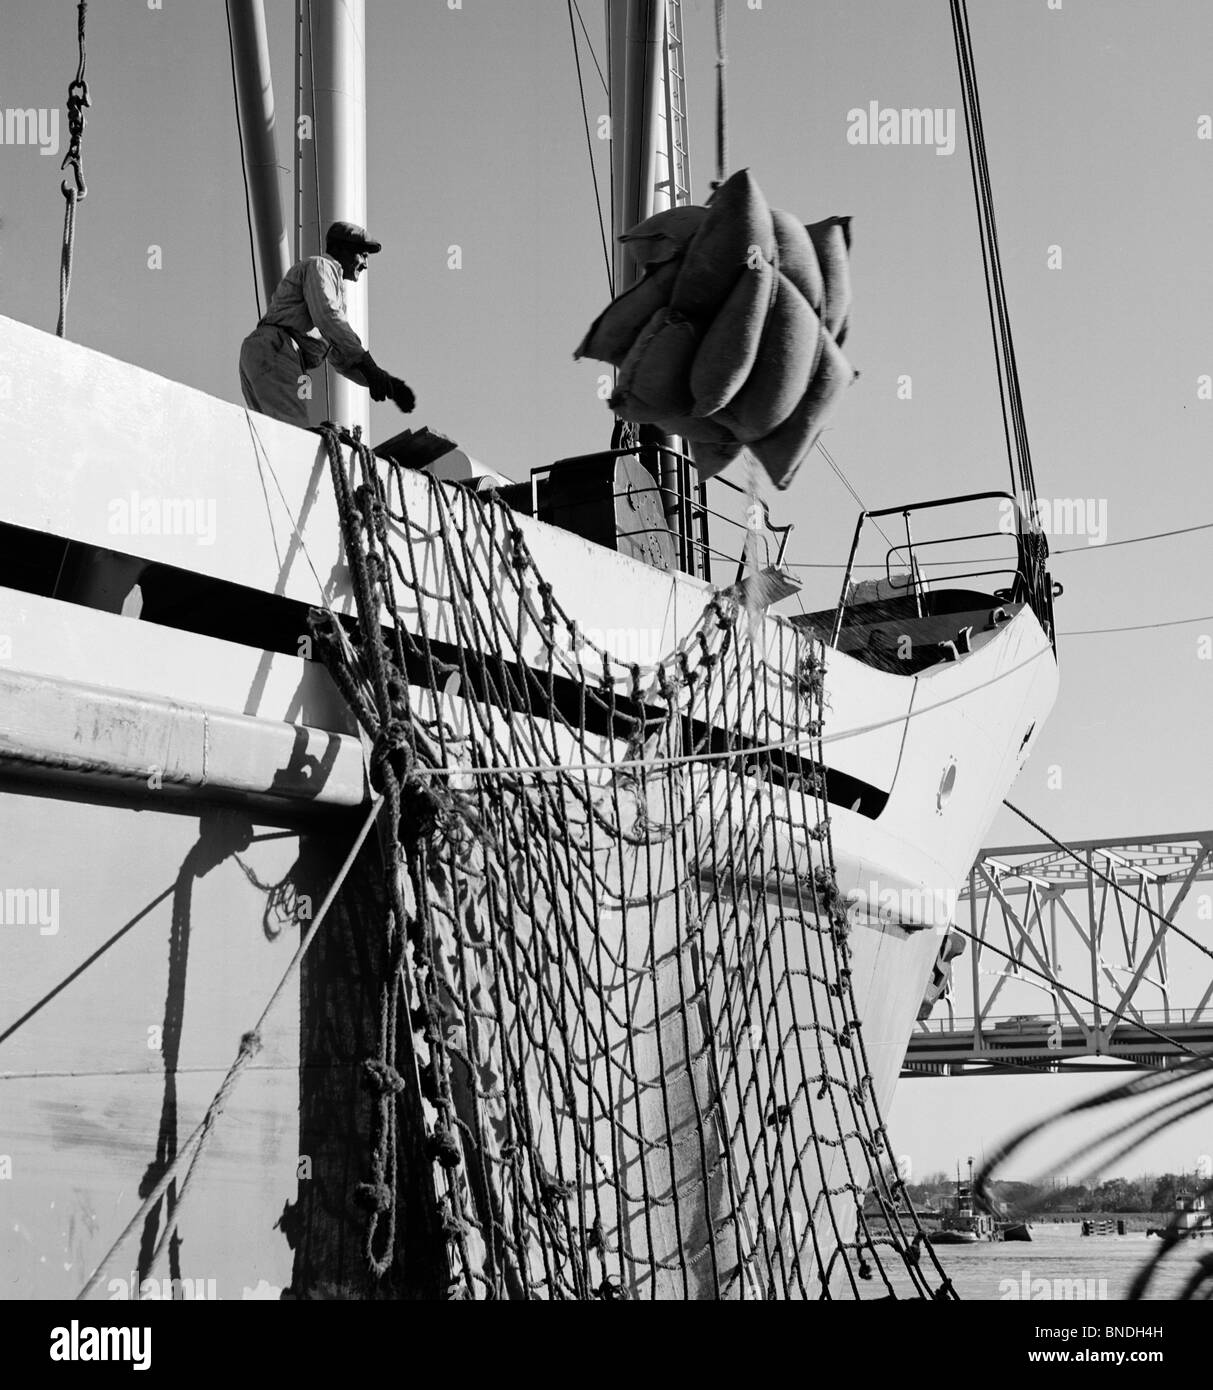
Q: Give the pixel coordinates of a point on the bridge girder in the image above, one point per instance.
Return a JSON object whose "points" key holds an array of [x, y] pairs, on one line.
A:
{"points": [[1029, 907]]}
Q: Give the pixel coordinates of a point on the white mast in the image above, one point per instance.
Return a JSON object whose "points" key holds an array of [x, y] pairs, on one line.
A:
{"points": [[332, 52]]}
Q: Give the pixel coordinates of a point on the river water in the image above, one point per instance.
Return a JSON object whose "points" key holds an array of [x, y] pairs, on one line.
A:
{"points": [[1060, 1263]]}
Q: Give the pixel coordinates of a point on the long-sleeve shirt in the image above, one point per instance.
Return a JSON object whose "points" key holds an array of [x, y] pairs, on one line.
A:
{"points": [[310, 304]]}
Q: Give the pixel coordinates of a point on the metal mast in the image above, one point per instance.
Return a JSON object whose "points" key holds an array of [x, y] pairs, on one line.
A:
{"points": [[676, 185], [650, 165], [255, 108]]}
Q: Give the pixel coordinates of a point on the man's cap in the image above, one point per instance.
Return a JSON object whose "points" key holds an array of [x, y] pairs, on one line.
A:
{"points": [[351, 234]]}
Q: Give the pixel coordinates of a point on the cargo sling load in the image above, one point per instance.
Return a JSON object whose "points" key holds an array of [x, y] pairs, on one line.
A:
{"points": [[411, 939], [733, 337]]}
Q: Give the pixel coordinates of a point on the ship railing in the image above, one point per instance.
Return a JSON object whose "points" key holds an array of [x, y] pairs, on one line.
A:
{"points": [[1024, 575], [696, 552], [686, 512]]}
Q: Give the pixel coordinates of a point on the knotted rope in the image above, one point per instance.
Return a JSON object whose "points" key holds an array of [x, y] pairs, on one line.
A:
{"points": [[76, 190], [632, 1029]]}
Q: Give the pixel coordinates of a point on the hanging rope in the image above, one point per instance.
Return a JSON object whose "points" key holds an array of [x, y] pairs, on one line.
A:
{"points": [[75, 189]]}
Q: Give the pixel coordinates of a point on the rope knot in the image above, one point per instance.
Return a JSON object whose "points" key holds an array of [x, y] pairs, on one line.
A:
{"points": [[518, 551], [551, 1189], [380, 1078], [545, 595], [420, 812], [724, 619], [374, 1196], [390, 753], [444, 1147], [454, 1227]]}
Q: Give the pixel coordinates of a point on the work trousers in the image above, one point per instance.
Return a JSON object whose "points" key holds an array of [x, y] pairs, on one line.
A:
{"points": [[271, 375]]}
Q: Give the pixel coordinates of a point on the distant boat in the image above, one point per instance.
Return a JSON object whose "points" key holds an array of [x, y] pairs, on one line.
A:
{"points": [[1015, 1230], [1193, 1217], [962, 1223]]}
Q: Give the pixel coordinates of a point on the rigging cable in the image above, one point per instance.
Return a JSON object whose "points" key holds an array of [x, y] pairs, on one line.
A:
{"points": [[859, 502], [1069, 990], [1135, 540], [1164, 922], [248, 210], [996, 559], [74, 191], [589, 144], [1138, 627], [589, 43], [1000, 323]]}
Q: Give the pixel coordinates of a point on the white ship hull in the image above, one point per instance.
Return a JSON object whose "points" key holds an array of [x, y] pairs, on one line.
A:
{"points": [[119, 735]]}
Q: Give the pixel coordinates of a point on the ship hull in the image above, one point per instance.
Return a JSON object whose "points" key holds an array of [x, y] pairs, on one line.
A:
{"points": [[120, 1023]]}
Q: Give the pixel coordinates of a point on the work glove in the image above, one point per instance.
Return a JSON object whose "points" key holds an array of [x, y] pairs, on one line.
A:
{"points": [[401, 395], [379, 383]]}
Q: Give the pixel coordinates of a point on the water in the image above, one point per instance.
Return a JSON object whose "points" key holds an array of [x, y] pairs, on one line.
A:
{"points": [[1061, 1255]]}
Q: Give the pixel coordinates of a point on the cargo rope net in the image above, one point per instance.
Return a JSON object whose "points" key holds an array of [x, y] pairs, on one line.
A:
{"points": [[625, 956]]}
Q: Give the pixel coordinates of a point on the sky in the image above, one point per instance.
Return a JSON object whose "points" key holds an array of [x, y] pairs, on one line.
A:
{"points": [[1092, 111]]}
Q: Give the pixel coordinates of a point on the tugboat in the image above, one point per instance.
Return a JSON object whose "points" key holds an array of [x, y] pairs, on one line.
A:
{"points": [[962, 1223], [1193, 1217]]}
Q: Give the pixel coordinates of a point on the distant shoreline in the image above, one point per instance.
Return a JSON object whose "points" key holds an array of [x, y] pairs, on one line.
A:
{"points": [[1135, 1221]]}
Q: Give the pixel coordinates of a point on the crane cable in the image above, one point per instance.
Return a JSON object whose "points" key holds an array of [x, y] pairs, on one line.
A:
{"points": [[75, 189]]}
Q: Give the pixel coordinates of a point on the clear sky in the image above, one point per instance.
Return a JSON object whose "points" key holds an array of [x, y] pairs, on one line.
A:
{"points": [[475, 138]]}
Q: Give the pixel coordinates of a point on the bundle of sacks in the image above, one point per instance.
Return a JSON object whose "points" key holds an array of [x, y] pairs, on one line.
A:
{"points": [[732, 336]]}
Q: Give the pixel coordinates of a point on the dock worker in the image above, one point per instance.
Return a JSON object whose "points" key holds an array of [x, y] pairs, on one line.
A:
{"points": [[305, 325]]}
